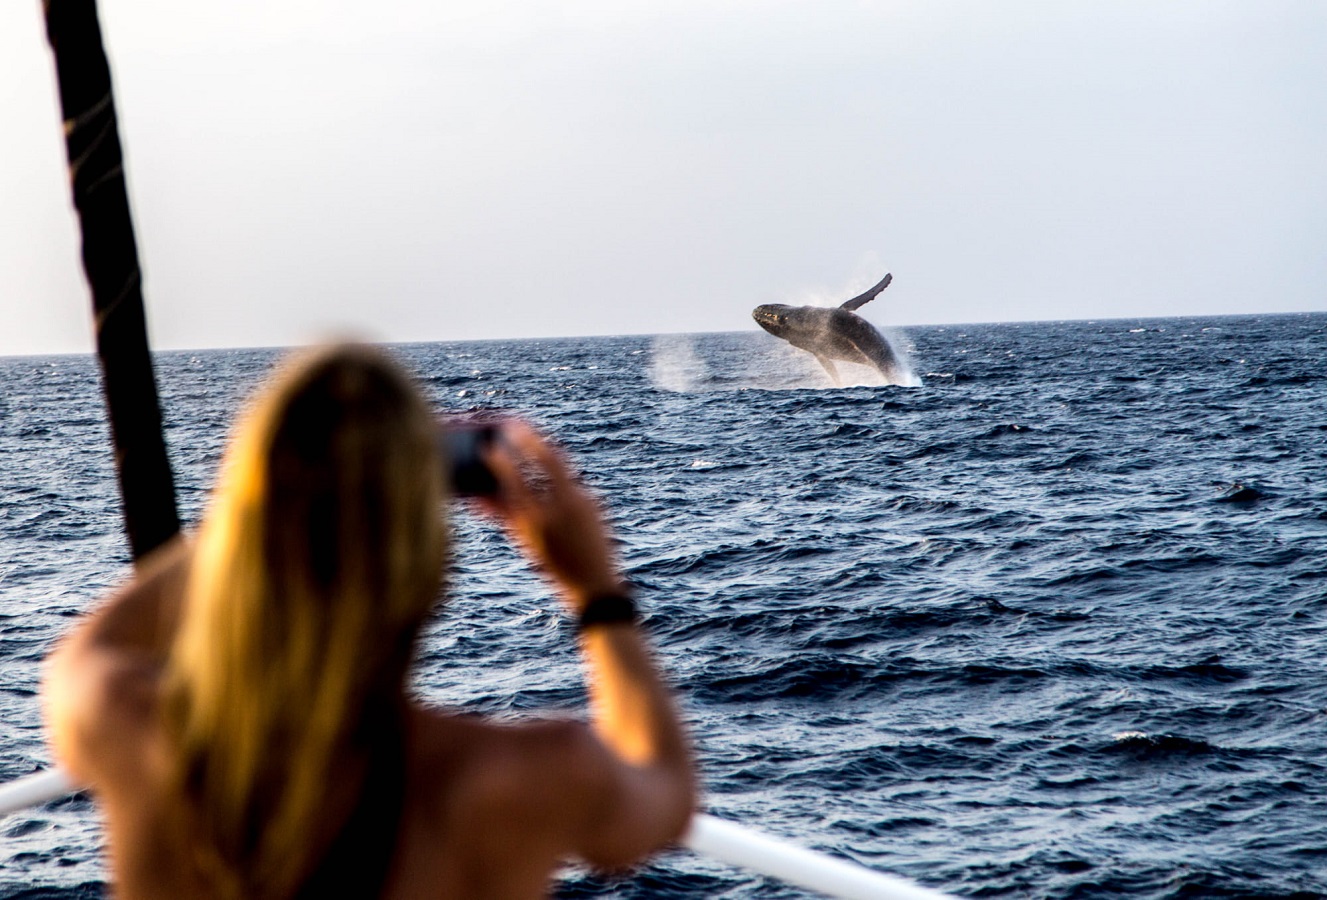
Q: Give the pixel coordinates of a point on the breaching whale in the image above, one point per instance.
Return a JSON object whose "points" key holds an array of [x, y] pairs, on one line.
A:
{"points": [[831, 334]]}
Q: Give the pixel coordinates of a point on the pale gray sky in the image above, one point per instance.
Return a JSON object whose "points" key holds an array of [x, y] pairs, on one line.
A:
{"points": [[418, 170]]}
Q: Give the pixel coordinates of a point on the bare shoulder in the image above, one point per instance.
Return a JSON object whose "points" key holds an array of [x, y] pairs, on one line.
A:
{"points": [[541, 779], [101, 683], [101, 708], [533, 762], [549, 784]]}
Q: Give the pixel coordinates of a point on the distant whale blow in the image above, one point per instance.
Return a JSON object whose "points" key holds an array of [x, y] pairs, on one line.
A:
{"points": [[831, 334]]}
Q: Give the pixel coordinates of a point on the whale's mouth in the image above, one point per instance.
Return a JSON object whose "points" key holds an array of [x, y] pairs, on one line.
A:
{"points": [[771, 320]]}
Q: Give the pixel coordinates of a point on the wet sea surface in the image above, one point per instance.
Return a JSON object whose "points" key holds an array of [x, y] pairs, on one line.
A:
{"points": [[1050, 621]]}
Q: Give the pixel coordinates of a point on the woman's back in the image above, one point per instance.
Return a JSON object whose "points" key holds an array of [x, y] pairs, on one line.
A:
{"points": [[480, 811]]}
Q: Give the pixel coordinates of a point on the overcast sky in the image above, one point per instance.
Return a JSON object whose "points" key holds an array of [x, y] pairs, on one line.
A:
{"points": [[412, 170]]}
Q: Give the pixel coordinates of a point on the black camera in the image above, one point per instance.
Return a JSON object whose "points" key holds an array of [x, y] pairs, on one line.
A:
{"points": [[463, 442]]}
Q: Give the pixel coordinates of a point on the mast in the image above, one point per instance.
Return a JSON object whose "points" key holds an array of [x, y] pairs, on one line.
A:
{"points": [[110, 262]]}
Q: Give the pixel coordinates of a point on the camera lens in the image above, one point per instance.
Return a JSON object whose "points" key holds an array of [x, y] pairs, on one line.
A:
{"points": [[463, 444]]}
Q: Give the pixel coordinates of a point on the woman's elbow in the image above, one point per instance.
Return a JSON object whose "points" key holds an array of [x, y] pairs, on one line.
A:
{"points": [[682, 806]]}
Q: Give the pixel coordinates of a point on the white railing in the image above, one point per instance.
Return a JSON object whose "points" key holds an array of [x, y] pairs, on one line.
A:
{"points": [[747, 848], [33, 789], [724, 841]]}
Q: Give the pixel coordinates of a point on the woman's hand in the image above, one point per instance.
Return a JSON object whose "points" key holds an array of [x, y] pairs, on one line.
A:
{"points": [[550, 515]]}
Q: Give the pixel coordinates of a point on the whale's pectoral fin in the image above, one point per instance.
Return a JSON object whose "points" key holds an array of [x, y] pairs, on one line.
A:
{"points": [[829, 367], [862, 299]]}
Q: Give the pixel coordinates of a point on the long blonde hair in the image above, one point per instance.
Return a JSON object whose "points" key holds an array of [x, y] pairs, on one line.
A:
{"points": [[317, 562]]}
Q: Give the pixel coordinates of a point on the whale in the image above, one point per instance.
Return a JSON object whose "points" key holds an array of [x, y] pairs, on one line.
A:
{"points": [[836, 333]]}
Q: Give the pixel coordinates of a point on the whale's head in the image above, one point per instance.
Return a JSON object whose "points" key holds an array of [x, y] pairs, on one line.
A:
{"points": [[776, 318]]}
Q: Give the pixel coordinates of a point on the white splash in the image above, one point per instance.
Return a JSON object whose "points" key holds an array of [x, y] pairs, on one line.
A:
{"points": [[675, 365], [772, 365]]}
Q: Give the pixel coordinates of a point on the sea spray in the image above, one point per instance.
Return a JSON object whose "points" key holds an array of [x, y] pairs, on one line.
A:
{"points": [[675, 365], [683, 363]]}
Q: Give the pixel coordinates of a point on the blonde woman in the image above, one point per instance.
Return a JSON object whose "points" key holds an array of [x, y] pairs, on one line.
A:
{"points": [[239, 709]]}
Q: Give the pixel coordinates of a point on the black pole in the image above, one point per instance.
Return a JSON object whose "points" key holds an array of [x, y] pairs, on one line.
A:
{"points": [[110, 261]]}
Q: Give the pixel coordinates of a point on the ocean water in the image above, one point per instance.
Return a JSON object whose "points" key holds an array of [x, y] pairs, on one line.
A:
{"points": [[1048, 621]]}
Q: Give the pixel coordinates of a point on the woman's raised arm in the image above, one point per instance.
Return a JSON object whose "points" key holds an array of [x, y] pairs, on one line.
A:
{"points": [[639, 768]]}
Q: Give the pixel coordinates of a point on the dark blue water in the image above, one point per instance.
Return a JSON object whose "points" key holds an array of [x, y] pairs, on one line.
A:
{"points": [[1050, 623]]}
